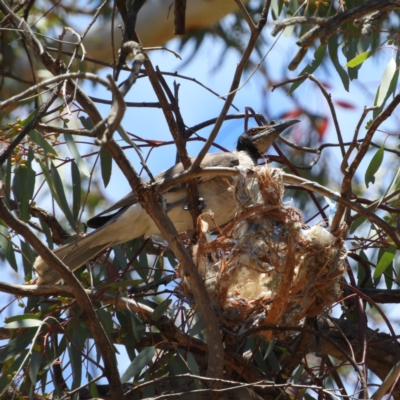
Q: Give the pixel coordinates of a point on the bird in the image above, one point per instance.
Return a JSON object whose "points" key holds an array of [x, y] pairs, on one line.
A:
{"points": [[127, 220]]}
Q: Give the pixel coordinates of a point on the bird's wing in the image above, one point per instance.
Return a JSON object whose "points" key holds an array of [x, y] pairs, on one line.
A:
{"points": [[210, 160]]}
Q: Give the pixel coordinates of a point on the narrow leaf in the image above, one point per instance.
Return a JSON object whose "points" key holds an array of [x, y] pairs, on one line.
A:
{"points": [[333, 50], [76, 190], [10, 256], [385, 82], [136, 366], [358, 222], [24, 323], [359, 59], [374, 166], [106, 165], [86, 122], [385, 261], [28, 258], [22, 317], [49, 179], [42, 142], [34, 366], [63, 204], [318, 57], [75, 153], [160, 309], [16, 345]]}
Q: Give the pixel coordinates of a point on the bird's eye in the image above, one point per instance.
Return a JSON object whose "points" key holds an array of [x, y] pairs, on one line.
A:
{"points": [[273, 122], [253, 131]]}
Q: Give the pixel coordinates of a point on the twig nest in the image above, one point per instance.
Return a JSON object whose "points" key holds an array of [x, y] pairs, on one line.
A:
{"points": [[264, 268]]}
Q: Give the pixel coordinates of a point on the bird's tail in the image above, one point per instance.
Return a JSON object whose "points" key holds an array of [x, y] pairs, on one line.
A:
{"points": [[74, 255], [126, 225]]}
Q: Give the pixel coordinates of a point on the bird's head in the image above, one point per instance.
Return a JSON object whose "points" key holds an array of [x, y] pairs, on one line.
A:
{"points": [[258, 140]]}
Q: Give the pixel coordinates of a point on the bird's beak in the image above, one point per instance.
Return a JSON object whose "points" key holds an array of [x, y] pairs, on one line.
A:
{"points": [[268, 133]]}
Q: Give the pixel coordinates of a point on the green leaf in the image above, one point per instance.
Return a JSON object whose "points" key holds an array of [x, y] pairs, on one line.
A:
{"points": [[50, 182], [34, 365], [7, 246], [318, 57], [385, 261], [364, 271], [333, 52], [16, 345], [24, 186], [7, 186], [276, 8], [10, 256], [22, 317], [160, 309], [76, 190], [41, 142], [106, 165], [359, 59], [387, 77], [136, 366], [86, 122], [62, 200], [75, 153], [124, 135], [94, 393], [389, 276], [374, 166], [106, 320], [357, 223], [16, 366], [28, 258], [197, 328], [78, 334], [24, 323], [4, 237], [391, 91], [192, 364]]}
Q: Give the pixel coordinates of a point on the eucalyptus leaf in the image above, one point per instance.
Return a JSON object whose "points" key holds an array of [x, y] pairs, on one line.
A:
{"points": [[140, 362], [357, 60], [385, 261], [387, 77], [374, 166], [161, 309], [63, 203], [106, 165], [333, 52], [37, 138]]}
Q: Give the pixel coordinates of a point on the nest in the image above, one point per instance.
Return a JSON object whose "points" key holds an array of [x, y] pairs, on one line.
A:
{"points": [[264, 268]]}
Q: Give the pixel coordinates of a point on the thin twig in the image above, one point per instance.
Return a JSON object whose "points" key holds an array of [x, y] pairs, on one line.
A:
{"points": [[235, 83]]}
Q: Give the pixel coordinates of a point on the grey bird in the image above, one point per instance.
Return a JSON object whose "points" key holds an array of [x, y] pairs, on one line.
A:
{"points": [[127, 220]]}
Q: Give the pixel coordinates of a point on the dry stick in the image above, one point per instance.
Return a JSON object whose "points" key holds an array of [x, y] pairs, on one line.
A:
{"points": [[332, 108], [328, 99], [364, 146], [353, 145], [255, 33], [192, 190], [148, 200], [109, 65], [96, 328]]}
